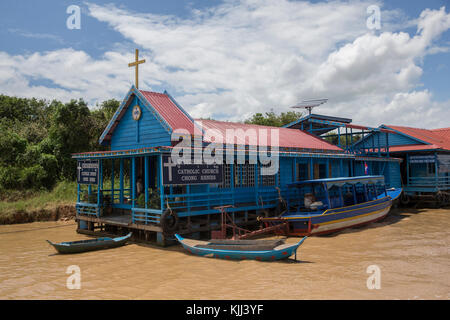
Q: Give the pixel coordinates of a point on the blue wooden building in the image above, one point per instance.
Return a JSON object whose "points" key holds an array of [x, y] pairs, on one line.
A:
{"points": [[425, 155], [135, 186], [352, 139]]}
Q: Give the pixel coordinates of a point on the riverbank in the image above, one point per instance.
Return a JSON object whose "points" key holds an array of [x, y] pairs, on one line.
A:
{"points": [[29, 206]]}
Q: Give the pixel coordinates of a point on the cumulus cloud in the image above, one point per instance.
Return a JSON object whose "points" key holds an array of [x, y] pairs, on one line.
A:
{"points": [[70, 74], [247, 56]]}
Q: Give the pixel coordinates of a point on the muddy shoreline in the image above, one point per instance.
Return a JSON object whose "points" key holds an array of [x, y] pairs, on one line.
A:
{"points": [[63, 212]]}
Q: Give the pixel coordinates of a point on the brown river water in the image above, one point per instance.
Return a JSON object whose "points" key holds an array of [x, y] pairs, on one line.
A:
{"points": [[410, 247]]}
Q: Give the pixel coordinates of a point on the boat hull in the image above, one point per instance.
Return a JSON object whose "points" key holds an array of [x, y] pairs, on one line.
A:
{"points": [[278, 253], [338, 225], [337, 219], [89, 245]]}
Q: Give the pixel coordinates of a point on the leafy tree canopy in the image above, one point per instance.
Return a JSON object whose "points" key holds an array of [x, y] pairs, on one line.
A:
{"points": [[274, 120]]}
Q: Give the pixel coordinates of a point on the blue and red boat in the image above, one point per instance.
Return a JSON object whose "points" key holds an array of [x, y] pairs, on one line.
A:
{"points": [[262, 250], [323, 206]]}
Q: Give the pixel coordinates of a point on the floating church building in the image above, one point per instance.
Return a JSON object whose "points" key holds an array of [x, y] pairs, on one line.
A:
{"points": [[165, 172], [136, 186]]}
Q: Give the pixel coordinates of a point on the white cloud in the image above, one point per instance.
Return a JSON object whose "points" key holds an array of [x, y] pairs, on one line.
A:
{"points": [[73, 74], [249, 56]]}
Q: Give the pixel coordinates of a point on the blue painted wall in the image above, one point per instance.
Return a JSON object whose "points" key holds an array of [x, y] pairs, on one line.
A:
{"points": [[286, 170], [394, 179], [393, 139], [146, 132]]}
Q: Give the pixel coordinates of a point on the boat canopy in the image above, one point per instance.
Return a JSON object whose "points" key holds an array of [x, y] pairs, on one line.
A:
{"points": [[339, 182]]}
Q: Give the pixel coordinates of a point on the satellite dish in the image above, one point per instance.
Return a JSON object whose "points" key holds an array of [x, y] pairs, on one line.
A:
{"points": [[310, 104]]}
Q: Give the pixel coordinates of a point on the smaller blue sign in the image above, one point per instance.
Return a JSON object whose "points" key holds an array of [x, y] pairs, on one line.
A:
{"points": [[87, 171]]}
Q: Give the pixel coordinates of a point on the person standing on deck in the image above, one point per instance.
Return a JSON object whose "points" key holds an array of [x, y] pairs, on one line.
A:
{"points": [[139, 187]]}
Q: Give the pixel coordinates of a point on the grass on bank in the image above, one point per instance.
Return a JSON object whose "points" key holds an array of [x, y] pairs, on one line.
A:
{"points": [[65, 192]]}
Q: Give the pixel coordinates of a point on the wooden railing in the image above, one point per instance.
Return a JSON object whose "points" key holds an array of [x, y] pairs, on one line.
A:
{"points": [[145, 216], [440, 182], [88, 209]]}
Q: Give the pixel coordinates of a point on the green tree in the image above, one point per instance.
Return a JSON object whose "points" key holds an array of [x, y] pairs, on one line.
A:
{"points": [[12, 146], [332, 137], [69, 133], [100, 119], [274, 120]]}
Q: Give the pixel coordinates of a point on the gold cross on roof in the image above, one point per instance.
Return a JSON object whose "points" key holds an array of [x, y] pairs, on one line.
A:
{"points": [[136, 64]]}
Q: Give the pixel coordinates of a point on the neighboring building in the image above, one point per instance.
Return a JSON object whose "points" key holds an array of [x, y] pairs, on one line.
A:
{"points": [[425, 168], [347, 137]]}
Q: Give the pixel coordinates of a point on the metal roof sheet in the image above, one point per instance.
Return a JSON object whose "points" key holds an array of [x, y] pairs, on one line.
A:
{"points": [[176, 117], [434, 139], [288, 138]]}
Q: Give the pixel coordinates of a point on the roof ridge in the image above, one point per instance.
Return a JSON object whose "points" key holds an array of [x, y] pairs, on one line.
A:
{"points": [[440, 129], [244, 124], [407, 127], [161, 93]]}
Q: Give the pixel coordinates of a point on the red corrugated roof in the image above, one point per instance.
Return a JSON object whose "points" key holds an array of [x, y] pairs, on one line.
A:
{"points": [[412, 147], [288, 138], [436, 138], [443, 133], [169, 111]]}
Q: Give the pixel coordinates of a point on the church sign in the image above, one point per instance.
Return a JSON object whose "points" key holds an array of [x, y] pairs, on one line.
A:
{"points": [[87, 172], [179, 174]]}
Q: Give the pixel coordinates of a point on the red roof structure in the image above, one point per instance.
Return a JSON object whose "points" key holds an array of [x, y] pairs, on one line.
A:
{"points": [[172, 113], [432, 139], [288, 138]]}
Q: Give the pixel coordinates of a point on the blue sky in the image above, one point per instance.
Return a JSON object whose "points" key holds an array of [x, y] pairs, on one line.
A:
{"points": [[229, 59]]}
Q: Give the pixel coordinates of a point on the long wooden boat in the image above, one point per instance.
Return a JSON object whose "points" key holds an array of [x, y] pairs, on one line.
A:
{"points": [[263, 250], [90, 245], [339, 203]]}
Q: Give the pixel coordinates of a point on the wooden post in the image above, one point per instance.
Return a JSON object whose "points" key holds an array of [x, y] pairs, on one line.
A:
{"points": [[379, 144], [232, 181], [133, 181], [346, 139], [146, 179], [121, 181], [351, 139], [363, 142], [352, 174], [339, 137], [294, 178], [407, 169], [256, 182], [112, 181], [327, 169], [99, 186], [436, 176], [160, 181], [327, 195], [387, 144]]}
